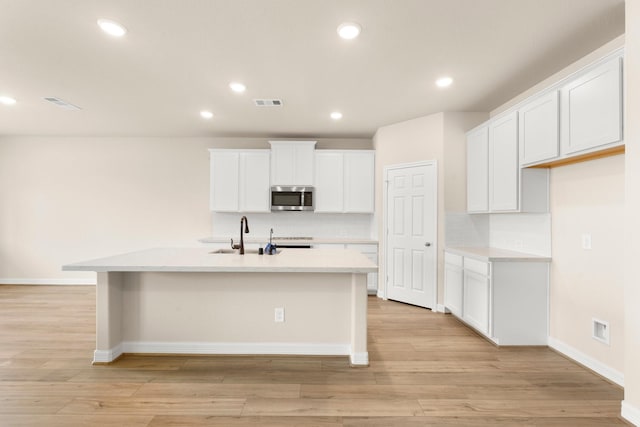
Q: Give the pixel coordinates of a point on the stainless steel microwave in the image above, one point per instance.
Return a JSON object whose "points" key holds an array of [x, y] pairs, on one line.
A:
{"points": [[288, 198]]}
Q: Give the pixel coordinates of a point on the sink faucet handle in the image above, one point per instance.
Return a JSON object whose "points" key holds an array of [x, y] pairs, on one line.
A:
{"points": [[234, 246]]}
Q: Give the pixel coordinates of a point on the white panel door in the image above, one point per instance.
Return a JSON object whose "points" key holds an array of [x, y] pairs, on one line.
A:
{"points": [[411, 234], [329, 182], [358, 181], [478, 170], [224, 183], [254, 181], [538, 129], [504, 168]]}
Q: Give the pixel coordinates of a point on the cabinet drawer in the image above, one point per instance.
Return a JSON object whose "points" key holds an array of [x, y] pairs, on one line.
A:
{"points": [[453, 259], [476, 266]]}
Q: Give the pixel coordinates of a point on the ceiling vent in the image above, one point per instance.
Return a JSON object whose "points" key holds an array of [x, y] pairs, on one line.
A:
{"points": [[62, 104], [268, 102]]}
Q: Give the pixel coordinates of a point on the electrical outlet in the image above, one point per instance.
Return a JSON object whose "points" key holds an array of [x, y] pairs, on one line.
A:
{"points": [[586, 241], [279, 315]]}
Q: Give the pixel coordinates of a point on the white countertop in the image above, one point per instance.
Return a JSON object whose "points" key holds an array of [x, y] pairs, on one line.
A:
{"points": [[495, 254], [280, 240], [201, 260]]}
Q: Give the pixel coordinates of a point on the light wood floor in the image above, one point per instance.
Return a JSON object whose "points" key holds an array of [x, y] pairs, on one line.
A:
{"points": [[426, 369]]}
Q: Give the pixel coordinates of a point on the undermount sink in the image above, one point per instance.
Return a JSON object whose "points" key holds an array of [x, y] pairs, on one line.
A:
{"points": [[235, 252]]}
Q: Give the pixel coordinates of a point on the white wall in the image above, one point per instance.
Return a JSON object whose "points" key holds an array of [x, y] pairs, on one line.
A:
{"points": [[631, 404], [439, 137], [68, 199], [586, 197]]}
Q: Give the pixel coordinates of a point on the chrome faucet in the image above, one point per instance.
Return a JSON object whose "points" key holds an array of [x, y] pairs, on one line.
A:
{"points": [[245, 230]]}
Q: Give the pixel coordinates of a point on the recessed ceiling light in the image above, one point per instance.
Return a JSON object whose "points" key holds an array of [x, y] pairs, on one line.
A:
{"points": [[206, 114], [112, 27], [349, 30], [336, 115], [237, 87], [444, 82], [7, 100]]}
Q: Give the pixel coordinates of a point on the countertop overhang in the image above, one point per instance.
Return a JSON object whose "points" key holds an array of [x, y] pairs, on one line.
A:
{"points": [[290, 240], [495, 254], [202, 260]]}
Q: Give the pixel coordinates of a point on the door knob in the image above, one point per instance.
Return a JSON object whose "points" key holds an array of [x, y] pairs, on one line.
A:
{"points": [[427, 244]]}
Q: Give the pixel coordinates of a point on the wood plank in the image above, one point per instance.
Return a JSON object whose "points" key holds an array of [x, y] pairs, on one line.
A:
{"points": [[436, 372]]}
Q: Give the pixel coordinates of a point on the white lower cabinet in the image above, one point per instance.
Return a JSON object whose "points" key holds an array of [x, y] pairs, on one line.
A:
{"points": [[453, 281], [507, 301]]}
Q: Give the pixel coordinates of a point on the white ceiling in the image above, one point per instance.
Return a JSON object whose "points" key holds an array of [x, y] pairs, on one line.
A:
{"points": [[180, 55]]}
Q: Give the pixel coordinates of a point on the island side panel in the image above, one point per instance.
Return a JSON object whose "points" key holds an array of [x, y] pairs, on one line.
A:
{"points": [[233, 313], [359, 355], [108, 316]]}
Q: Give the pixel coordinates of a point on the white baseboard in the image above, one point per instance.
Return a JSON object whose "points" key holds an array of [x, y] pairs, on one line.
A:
{"points": [[591, 363], [105, 356], [360, 359], [440, 308], [74, 282], [630, 413], [305, 349]]}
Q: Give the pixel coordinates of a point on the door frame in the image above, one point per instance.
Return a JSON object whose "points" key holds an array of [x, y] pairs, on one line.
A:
{"points": [[385, 225]]}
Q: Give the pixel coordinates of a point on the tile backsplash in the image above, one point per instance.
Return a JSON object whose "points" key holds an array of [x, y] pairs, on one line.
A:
{"points": [[295, 224], [522, 232], [463, 229]]}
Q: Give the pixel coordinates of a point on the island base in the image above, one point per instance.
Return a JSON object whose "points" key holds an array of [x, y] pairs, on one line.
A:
{"points": [[231, 313]]}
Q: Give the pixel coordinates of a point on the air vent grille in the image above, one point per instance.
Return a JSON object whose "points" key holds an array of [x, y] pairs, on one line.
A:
{"points": [[268, 102], [60, 103]]}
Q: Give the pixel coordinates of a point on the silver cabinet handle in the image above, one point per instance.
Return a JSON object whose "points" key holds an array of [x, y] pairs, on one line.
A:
{"points": [[427, 244]]}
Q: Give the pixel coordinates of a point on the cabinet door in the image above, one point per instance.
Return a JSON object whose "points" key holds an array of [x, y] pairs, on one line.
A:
{"points": [[329, 181], [359, 182], [592, 108], [476, 301], [224, 184], [478, 170], [303, 164], [254, 181], [453, 281], [292, 162], [503, 164], [282, 159], [538, 129]]}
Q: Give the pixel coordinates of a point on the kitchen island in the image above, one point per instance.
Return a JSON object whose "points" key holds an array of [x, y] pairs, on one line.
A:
{"points": [[195, 301]]}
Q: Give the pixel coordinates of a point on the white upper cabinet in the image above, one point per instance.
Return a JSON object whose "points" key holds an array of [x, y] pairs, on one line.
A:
{"points": [[239, 180], [591, 108], [538, 128], [503, 163], [329, 182], [344, 181], [225, 180], [495, 181], [359, 180], [478, 170], [254, 181], [292, 162]]}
